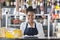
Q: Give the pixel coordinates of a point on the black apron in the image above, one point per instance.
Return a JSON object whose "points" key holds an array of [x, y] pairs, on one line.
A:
{"points": [[30, 31]]}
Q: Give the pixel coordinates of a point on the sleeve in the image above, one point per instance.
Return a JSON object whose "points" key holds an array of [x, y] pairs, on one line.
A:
{"points": [[22, 27], [40, 30]]}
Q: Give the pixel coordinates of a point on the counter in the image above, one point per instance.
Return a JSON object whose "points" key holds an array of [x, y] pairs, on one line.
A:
{"points": [[21, 38]]}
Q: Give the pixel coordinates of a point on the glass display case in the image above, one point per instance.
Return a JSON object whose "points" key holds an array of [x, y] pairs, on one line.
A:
{"points": [[15, 21]]}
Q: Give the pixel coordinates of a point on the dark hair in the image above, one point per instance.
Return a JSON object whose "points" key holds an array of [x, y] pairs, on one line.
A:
{"points": [[30, 9]]}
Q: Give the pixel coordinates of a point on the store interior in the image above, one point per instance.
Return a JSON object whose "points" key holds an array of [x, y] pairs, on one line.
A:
{"points": [[47, 12]]}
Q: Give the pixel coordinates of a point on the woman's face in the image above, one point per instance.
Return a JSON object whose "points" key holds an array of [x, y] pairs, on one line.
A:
{"points": [[30, 16]]}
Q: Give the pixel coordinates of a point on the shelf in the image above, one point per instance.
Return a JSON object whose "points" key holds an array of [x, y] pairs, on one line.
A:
{"points": [[24, 14], [7, 15], [15, 15], [41, 14], [14, 25]]}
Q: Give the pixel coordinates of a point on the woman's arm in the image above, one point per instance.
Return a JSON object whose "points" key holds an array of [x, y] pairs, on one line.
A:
{"points": [[40, 30], [22, 27]]}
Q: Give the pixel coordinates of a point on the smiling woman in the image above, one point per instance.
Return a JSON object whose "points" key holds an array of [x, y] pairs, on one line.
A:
{"points": [[31, 27], [30, 14]]}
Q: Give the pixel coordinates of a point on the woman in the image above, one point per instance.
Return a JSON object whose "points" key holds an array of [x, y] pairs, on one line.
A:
{"points": [[31, 27]]}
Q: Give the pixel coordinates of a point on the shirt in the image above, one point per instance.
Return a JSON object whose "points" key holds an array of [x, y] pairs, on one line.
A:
{"points": [[38, 26], [30, 26]]}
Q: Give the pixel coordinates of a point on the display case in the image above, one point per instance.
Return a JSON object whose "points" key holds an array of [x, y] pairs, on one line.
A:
{"points": [[16, 24], [14, 20]]}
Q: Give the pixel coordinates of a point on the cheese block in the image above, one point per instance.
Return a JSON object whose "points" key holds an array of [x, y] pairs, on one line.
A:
{"points": [[17, 33], [14, 33], [2, 32], [10, 33]]}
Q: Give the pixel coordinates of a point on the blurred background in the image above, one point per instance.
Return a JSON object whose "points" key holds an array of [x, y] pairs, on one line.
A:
{"points": [[47, 13]]}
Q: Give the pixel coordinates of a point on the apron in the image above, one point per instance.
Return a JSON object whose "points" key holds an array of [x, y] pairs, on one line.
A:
{"points": [[30, 31]]}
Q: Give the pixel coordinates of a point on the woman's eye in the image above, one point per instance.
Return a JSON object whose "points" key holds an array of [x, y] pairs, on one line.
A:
{"points": [[30, 15]]}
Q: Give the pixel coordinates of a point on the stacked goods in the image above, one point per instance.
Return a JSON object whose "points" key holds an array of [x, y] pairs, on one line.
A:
{"points": [[10, 33], [57, 7], [16, 21], [55, 16], [29, 2], [14, 34], [17, 33], [2, 32]]}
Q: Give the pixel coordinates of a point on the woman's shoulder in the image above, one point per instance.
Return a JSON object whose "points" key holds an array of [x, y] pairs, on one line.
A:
{"points": [[38, 23], [23, 23]]}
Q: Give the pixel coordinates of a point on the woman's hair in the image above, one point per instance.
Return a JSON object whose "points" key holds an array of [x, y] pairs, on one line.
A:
{"points": [[30, 9]]}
